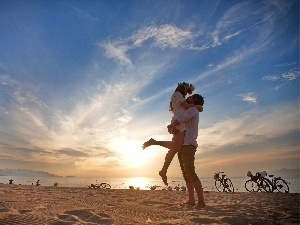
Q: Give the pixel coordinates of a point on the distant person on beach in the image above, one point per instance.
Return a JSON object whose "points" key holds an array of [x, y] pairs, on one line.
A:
{"points": [[11, 181], [38, 183], [178, 106], [186, 155]]}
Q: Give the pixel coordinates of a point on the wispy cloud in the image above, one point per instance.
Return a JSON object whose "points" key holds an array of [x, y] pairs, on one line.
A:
{"points": [[285, 78], [83, 14], [163, 36], [271, 77], [240, 19], [249, 97], [291, 75], [72, 152], [117, 52]]}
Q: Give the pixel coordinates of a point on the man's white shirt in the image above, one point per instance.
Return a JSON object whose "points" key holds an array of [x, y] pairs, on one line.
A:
{"points": [[191, 119]]}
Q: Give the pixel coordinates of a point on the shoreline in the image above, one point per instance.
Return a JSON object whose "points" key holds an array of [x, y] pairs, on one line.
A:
{"points": [[27, 204], [142, 183]]}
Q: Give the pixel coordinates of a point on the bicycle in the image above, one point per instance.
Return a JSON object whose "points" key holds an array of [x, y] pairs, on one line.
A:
{"points": [[257, 182], [101, 185], [277, 184], [222, 183]]}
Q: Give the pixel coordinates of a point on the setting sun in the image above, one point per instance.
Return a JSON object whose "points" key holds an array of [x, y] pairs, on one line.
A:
{"points": [[132, 152]]}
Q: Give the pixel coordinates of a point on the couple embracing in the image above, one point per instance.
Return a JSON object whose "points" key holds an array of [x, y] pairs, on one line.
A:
{"points": [[184, 128]]}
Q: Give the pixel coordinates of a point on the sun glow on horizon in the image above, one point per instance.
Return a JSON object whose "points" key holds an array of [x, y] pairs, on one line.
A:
{"points": [[132, 152], [139, 182]]}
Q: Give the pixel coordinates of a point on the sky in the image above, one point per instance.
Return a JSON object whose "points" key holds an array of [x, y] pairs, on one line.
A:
{"points": [[85, 83]]}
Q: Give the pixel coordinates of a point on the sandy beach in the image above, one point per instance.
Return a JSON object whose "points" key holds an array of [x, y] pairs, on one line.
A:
{"points": [[22, 204]]}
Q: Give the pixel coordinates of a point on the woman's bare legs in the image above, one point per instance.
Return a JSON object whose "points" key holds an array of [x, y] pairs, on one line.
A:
{"points": [[177, 142], [174, 146]]}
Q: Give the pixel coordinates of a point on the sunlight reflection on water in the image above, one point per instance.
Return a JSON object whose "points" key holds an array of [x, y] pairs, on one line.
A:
{"points": [[139, 182]]}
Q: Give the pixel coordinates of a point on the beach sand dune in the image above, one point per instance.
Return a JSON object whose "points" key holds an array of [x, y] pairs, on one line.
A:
{"points": [[21, 204]]}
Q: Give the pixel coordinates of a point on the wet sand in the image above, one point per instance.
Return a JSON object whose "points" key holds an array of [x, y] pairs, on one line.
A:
{"points": [[21, 204]]}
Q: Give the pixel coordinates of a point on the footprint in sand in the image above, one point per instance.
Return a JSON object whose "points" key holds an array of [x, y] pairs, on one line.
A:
{"points": [[83, 216], [19, 216]]}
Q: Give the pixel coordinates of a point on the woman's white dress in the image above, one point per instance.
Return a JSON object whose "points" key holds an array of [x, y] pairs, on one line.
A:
{"points": [[176, 99]]}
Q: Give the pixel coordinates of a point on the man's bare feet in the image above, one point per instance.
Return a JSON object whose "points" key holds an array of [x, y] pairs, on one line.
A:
{"points": [[188, 203], [163, 177], [148, 143], [200, 206]]}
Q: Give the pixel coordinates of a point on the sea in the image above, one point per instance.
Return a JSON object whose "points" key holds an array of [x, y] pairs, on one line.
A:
{"points": [[142, 183]]}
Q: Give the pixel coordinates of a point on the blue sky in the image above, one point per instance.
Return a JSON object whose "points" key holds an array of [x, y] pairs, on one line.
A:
{"points": [[85, 83]]}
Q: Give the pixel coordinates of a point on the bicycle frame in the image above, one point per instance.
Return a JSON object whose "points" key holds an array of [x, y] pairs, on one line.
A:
{"points": [[224, 182], [271, 182]]}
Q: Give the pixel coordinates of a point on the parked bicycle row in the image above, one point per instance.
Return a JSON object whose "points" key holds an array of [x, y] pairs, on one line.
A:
{"points": [[258, 182]]}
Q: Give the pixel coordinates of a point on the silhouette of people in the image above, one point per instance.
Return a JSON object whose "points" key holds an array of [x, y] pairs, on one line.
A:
{"points": [[186, 155], [11, 181], [38, 183], [178, 106]]}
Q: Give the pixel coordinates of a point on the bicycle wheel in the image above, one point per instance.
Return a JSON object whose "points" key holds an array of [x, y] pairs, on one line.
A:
{"points": [[228, 185], [264, 185], [251, 186], [281, 186], [219, 185], [105, 185]]}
